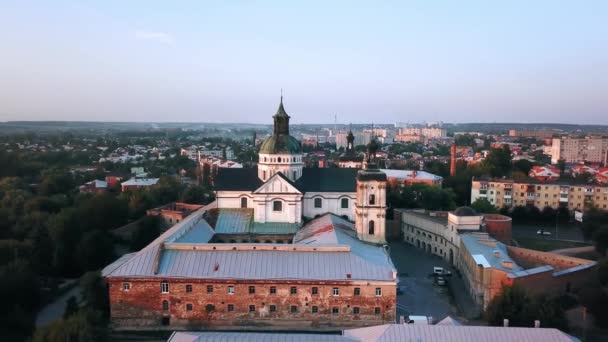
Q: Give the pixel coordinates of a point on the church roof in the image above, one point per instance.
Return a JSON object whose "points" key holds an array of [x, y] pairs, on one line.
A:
{"points": [[245, 179], [276, 144], [312, 180], [328, 180]]}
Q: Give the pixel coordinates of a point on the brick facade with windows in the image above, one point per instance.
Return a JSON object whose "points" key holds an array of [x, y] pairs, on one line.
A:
{"points": [[142, 304]]}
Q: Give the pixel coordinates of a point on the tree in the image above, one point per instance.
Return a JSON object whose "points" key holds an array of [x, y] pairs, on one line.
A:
{"points": [[523, 165], [498, 162], [95, 250], [583, 178], [522, 309], [483, 206], [602, 272], [94, 293], [561, 164], [147, 230], [71, 307], [83, 326], [600, 239]]}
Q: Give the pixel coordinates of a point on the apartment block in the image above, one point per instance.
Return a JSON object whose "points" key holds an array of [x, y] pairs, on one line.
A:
{"points": [[574, 150], [509, 193]]}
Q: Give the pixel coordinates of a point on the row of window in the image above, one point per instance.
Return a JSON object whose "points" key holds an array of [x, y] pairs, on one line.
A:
{"points": [[164, 288], [318, 203], [273, 308], [282, 159]]}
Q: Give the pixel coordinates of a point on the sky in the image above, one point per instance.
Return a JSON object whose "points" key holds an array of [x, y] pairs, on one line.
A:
{"points": [[362, 61]]}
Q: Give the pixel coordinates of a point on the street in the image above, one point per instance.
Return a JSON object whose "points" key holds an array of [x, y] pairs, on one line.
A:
{"points": [[420, 295]]}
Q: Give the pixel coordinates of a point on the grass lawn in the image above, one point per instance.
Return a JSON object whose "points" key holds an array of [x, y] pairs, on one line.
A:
{"points": [[545, 245]]}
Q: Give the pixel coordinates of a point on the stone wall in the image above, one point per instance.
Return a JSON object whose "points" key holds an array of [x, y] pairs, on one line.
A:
{"points": [[142, 304], [529, 258]]}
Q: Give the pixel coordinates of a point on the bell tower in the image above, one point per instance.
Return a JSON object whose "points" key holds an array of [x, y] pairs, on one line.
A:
{"points": [[370, 205]]}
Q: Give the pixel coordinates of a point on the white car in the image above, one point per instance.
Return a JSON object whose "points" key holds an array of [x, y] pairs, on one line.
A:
{"points": [[543, 232]]}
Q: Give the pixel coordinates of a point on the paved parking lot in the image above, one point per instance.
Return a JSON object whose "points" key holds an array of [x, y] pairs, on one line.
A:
{"points": [[420, 295]]}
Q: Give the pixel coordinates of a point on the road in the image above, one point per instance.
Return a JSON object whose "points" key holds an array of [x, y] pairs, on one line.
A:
{"points": [[566, 231], [420, 295], [55, 309]]}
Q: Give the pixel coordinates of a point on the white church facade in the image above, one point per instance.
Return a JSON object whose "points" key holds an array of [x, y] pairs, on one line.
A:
{"points": [[280, 190]]}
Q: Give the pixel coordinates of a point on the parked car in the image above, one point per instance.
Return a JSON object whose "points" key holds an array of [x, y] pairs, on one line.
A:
{"points": [[440, 271], [440, 281], [542, 232]]}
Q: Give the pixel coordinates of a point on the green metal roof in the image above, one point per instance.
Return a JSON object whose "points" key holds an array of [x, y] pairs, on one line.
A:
{"points": [[240, 221], [281, 144]]}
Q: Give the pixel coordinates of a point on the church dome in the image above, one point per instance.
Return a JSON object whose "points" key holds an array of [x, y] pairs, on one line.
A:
{"points": [[277, 144], [281, 141], [465, 211]]}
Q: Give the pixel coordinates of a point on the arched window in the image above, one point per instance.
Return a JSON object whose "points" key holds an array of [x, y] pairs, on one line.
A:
{"points": [[244, 202], [372, 199], [277, 206], [344, 203], [318, 203], [295, 175], [279, 159], [371, 227], [165, 305], [264, 175]]}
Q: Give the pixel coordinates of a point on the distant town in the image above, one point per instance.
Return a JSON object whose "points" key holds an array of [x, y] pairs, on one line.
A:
{"points": [[330, 228]]}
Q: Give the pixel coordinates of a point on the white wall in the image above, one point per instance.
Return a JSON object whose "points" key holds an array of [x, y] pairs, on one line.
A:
{"points": [[331, 202]]}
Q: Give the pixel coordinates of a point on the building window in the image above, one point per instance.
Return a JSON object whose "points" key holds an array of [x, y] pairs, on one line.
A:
{"points": [[164, 287], [344, 203], [293, 290], [165, 305], [126, 286], [251, 308], [188, 288], [357, 291], [244, 202], [371, 228], [356, 310], [378, 292], [230, 307], [372, 199], [277, 206], [315, 290], [273, 308], [315, 309], [264, 174], [230, 290], [273, 290], [377, 310], [251, 289], [335, 310], [336, 291], [209, 288], [188, 307], [318, 203], [293, 309], [295, 174]]}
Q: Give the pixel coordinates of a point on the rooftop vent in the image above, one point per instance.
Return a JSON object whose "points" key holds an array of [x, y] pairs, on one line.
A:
{"points": [[497, 253]]}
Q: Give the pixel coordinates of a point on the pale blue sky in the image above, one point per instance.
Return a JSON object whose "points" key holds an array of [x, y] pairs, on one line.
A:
{"points": [[380, 61]]}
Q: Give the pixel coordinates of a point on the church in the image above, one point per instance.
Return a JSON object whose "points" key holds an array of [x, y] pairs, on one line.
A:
{"points": [[281, 191], [283, 247]]}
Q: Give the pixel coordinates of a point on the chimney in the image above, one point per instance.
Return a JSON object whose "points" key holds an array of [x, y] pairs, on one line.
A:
{"points": [[453, 161], [537, 324], [505, 322]]}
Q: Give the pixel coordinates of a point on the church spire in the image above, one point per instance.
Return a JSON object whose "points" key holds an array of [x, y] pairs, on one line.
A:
{"points": [[281, 119]]}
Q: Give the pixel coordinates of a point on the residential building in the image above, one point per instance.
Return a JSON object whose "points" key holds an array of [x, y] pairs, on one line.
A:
{"points": [[532, 133], [575, 150], [94, 186], [138, 183], [554, 194], [399, 177]]}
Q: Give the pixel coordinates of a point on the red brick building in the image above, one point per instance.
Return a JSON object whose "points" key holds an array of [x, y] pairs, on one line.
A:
{"points": [[326, 279]]}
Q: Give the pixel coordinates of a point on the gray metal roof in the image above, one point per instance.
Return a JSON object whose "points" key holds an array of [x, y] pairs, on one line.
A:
{"points": [[177, 254], [240, 221], [489, 252], [392, 333]]}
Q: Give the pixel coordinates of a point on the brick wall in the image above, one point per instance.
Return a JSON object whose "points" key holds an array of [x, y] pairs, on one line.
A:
{"points": [[530, 258], [499, 227], [142, 304]]}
